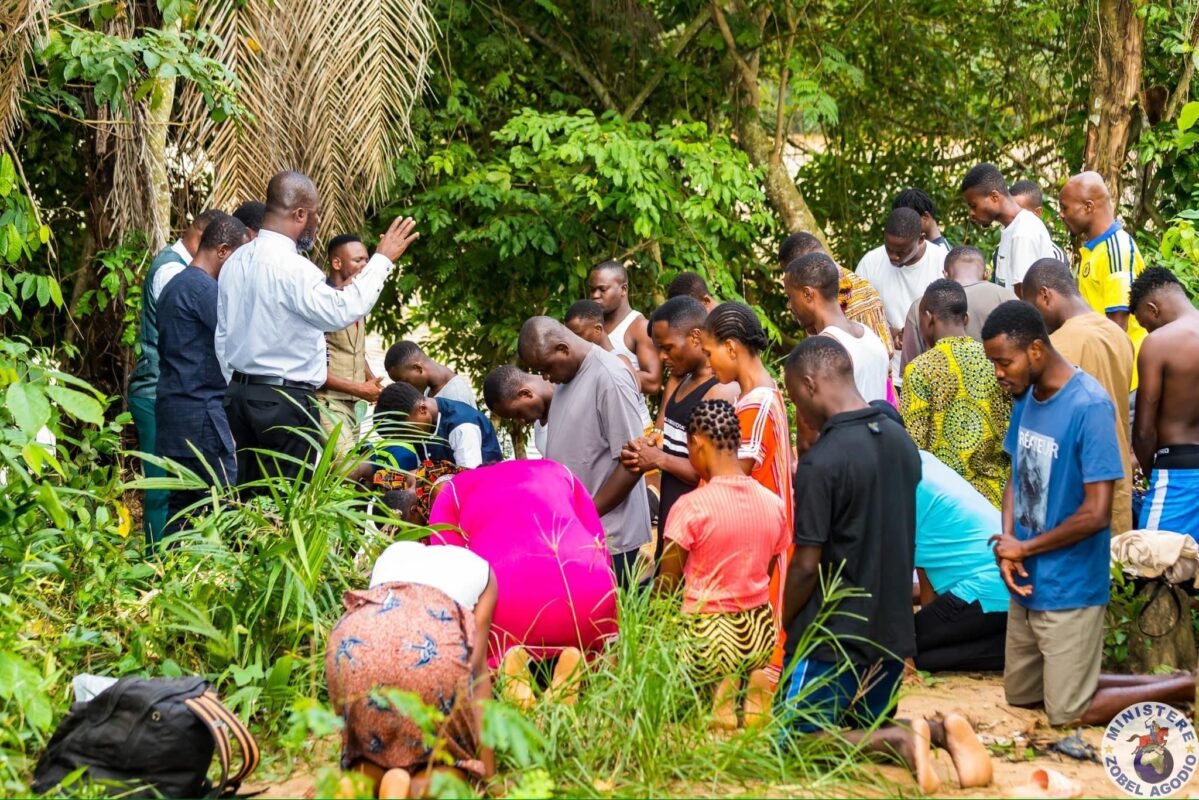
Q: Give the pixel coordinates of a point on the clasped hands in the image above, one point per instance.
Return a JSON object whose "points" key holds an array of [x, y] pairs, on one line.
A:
{"points": [[1010, 554]]}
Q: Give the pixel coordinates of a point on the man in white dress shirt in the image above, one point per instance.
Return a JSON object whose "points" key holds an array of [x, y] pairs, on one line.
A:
{"points": [[273, 312]]}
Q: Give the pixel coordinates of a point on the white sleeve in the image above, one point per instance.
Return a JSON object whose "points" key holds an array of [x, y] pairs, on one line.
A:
{"points": [[476, 572], [326, 308], [163, 277], [1023, 254], [221, 334], [467, 443]]}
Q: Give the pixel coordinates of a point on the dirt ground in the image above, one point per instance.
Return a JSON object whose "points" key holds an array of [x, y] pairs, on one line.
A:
{"points": [[980, 700], [1010, 732]]}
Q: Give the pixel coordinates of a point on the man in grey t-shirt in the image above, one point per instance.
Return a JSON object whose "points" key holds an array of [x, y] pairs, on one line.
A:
{"points": [[595, 411]]}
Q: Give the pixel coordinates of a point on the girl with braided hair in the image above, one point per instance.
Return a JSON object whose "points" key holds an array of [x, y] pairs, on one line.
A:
{"points": [[734, 340], [725, 540]]}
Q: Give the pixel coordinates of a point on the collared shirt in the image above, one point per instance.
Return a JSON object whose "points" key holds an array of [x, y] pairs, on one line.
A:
{"points": [[275, 309], [954, 408], [1109, 264], [144, 380]]}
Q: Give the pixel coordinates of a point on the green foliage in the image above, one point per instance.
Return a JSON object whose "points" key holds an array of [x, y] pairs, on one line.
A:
{"points": [[1123, 610], [112, 64], [514, 232]]}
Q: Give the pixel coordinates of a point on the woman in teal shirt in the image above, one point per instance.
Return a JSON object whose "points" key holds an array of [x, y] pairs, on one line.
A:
{"points": [[962, 625]]}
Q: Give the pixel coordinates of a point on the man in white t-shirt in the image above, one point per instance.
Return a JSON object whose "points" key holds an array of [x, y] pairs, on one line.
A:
{"points": [[901, 270], [812, 282], [1024, 240]]}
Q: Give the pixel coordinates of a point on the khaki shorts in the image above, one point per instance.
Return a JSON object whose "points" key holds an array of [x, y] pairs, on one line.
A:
{"points": [[345, 412], [1053, 657]]}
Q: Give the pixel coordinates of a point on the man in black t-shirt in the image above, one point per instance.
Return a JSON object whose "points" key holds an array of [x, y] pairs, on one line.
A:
{"points": [[855, 519]]}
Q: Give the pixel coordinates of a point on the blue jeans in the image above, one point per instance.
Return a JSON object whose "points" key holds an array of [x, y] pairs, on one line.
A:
{"points": [[822, 696], [154, 503]]}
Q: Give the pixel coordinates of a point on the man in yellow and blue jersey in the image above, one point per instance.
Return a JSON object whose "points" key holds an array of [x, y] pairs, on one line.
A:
{"points": [[1110, 258]]}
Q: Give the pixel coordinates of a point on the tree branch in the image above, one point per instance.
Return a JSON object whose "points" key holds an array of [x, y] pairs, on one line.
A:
{"points": [[748, 76], [1183, 90], [689, 33], [591, 79]]}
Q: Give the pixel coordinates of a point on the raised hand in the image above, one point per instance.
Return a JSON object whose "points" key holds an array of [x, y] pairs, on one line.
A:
{"points": [[369, 390], [397, 238]]}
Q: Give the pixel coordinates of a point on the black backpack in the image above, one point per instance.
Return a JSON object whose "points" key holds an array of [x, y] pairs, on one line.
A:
{"points": [[156, 736]]}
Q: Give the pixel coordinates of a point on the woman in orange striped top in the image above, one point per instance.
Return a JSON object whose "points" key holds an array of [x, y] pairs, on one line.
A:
{"points": [[734, 339], [725, 539]]}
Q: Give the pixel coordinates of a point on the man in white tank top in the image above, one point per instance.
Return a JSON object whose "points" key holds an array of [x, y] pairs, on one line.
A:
{"points": [[811, 283], [628, 330]]}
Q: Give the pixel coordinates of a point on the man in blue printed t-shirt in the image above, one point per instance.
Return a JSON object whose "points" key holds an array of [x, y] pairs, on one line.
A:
{"points": [[1054, 550]]}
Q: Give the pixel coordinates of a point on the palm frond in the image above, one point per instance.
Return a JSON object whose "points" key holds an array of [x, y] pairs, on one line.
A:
{"points": [[330, 87], [21, 22]]}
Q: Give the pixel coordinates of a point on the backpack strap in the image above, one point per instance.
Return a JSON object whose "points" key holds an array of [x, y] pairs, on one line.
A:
{"points": [[225, 727]]}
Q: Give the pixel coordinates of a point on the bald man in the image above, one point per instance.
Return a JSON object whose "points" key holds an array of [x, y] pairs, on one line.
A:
{"points": [[608, 285], [273, 311], [594, 413], [1110, 258]]}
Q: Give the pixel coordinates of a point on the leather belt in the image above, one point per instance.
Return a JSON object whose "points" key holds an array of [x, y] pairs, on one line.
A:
{"points": [[271, 380]]}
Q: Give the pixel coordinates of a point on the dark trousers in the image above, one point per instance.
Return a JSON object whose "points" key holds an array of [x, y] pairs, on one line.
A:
{"points": [[274, 428], [225, 467], [623, 565], [955, 636]]}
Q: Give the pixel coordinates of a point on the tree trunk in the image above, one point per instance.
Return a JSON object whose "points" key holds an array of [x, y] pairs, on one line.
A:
{"points": [[158, 120], [781, 190], [1115, 86]]}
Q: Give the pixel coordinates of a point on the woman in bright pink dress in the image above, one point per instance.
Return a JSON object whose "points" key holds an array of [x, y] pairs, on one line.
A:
{"points": [[537, 527]]}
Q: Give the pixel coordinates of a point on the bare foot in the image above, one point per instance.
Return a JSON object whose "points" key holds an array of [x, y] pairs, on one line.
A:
{"points": [[757, 698], [396, 784], [724, 705], [970, 757], [919, 759], [518, 681], [564, 685]]}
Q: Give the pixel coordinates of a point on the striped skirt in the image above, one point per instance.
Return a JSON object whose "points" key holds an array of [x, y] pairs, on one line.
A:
{"points": [[730, 642]]}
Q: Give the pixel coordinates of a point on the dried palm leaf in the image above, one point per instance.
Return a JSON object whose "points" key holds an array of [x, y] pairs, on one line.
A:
{"points": [[330, 87], [21, 22]]}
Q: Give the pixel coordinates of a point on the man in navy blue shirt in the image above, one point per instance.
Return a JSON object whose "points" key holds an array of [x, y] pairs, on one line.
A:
{"points": [[441, 429], [192, 428], [1054, 551]]}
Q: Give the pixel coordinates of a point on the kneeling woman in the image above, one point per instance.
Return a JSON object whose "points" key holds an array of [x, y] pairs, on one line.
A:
{"points": [[421, 627], [725, 540], [537, 527]]}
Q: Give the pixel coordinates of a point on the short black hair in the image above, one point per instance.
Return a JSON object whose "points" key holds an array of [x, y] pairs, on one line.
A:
{"points": [[945, 299], [339, 240], [819, 355], [816, 270], [614, 266], [738, 322], [683, 311], [964, 252], [1018, 321], [904, 223], [223, 229], [985, 178], [1028, 188], [251, 213], [1149, 282], [1050, 274], [798, 244], [398, 398], [206, 216], [588, 310], [401, 354], [400, 501], [501, 385], [916, 200], [688, 284]]}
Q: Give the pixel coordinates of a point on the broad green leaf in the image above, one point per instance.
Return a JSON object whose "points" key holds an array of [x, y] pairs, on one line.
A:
{"points": [[28, 406], [1188, 116], [8, 175], [48, 500], [77, 404]]}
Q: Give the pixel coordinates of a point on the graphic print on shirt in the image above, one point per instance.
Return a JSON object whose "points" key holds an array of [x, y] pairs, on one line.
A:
{"points": [[1034, 468]]}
